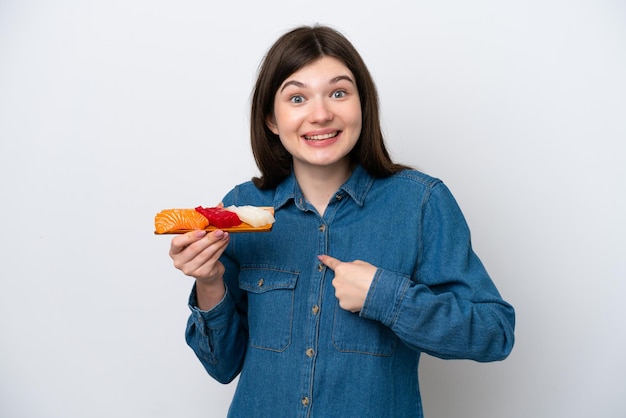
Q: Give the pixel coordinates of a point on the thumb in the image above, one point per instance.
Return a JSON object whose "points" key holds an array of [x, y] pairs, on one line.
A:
{"points": [[329, 261]]}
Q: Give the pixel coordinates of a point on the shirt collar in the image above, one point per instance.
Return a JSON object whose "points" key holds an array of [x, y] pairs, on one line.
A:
{"points": [[356, 187]]}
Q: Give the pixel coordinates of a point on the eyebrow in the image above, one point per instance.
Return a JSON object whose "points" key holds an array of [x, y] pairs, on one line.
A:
{"points": [[301, 85]]}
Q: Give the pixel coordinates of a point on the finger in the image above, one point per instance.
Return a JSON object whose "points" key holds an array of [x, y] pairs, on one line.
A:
{"points": [[329, 261], [195, 240], [201, 254], [180, 242], [205, 261]]}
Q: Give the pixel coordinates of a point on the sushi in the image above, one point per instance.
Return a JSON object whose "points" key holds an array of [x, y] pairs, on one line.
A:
{"points": [[169, 220], [253, 215], [179, 221], [220, 217]]}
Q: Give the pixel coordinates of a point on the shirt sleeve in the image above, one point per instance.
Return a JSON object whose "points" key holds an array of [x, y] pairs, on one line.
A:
{"points": [[217, 336], [451, 309]]}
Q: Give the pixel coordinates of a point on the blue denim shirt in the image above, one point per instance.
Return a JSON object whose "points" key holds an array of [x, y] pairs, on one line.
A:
{"points": [[297, 353]]}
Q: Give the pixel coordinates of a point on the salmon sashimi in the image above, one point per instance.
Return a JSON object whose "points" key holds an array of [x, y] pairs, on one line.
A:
{"points": [[169, 220]]}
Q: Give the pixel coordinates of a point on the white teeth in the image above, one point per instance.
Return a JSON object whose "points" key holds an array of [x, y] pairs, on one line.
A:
{"points": [[321, 137]]}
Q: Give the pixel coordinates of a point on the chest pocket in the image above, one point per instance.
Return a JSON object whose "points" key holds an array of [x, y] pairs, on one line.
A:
{"points": [[270, 305]]}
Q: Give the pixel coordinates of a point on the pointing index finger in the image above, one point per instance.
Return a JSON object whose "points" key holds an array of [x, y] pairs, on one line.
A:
{"points": [[329, 261]]}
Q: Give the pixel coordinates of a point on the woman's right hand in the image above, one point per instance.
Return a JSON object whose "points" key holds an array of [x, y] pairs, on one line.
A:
{"points": [[197, 254]]}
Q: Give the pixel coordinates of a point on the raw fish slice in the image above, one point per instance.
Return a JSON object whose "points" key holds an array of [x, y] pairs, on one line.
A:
{"points": [[220, 217], [169, 220], [253, 215]]}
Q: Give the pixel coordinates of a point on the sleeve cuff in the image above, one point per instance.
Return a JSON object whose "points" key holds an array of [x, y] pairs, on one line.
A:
{"points": [[214, 318], [385, 297]]}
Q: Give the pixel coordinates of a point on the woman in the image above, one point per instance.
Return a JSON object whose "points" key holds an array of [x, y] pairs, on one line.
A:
{"points": [[368, 265]]}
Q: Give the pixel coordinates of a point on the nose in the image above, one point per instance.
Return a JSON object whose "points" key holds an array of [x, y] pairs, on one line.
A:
{"points": [[320, 112]]}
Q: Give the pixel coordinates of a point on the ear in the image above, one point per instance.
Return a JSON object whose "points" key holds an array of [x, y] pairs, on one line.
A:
{"points": [[271, 124]]}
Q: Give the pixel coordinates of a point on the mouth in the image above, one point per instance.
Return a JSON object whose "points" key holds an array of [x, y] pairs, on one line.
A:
{"points": [[322, 137]]}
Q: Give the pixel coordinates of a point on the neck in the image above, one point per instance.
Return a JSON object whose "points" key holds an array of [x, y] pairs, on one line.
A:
{"points": [[318, 184]]}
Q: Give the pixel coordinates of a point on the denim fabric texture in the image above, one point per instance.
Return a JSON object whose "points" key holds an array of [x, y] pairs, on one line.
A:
{"points": [[297, 352]]}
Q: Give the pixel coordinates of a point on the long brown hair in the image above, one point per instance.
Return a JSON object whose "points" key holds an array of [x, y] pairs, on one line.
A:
{"points": [[292, 51]]}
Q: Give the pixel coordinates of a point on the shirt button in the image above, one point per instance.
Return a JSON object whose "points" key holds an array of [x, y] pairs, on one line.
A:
{"points": [[310, 352], [338, 197], [315, 309], [320, 267], [260, 283], [322, 228], [305, 401]]}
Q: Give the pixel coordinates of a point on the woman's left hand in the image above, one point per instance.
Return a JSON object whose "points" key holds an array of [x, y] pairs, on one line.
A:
{"points": [[352, 281]]}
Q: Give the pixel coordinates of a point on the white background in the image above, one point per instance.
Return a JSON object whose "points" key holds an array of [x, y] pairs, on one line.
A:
{"points": [[112, 110]]}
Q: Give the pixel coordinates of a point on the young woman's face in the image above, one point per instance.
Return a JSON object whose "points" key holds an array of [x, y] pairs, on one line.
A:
{"points": [[317, 114]]}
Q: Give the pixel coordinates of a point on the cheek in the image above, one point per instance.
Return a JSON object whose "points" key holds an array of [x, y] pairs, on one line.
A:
{"points": [[357, 112], [357, 120], [283, 120]]}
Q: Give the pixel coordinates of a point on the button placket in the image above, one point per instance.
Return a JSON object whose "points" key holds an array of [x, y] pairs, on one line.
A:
{"points": [[310, 349]]}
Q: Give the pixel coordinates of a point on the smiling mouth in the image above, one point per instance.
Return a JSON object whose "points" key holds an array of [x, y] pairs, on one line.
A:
{"points": [[321, 137]]}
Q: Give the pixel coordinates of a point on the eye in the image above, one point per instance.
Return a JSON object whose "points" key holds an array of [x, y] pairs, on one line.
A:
{"points": [[296, 99], [339, 94]]}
